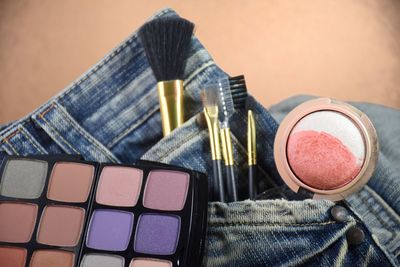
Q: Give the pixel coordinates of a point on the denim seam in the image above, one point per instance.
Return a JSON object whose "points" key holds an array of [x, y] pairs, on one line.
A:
{"points": [[168, 152], [88, 137], [10, 135], [31, 140], [203, 67], [12, 147], [239, 223], [57, 133], [133, 127], [384, 223]]}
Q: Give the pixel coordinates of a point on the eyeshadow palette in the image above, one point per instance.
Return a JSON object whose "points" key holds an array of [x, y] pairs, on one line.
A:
{"points": [[65, 212]]}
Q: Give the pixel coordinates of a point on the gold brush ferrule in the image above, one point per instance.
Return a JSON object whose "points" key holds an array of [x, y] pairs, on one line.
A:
{"points": [[251, 139], [227, 149], [211, 114], [171, 104]]}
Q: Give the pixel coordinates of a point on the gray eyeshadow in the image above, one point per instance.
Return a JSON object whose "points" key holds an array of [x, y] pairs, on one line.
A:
{"points": [[98, 260], [23, 178]]}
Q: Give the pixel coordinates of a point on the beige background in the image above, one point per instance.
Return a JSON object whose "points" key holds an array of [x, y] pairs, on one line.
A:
{"points": [[347, 49]]}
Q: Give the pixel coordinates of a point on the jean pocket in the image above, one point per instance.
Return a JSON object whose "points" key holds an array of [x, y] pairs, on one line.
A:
{"points": [[282, 233], [69, 135]]}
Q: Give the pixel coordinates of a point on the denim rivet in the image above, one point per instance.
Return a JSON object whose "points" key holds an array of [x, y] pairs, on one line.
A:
{"points": [[339, 213], [355, 235], [201, 120]]}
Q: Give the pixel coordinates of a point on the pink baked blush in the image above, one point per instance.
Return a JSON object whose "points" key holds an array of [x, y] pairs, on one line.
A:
{"points": [[325, 150]]}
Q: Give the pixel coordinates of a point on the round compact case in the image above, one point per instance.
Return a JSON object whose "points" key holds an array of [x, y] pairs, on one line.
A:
{"points": [[326, 148]]}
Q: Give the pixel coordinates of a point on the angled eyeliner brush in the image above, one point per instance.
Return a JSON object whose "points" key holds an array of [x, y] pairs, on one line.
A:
{"points": [[211, 113], [166, 42]]}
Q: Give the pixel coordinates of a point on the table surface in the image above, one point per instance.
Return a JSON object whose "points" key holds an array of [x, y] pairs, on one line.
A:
{"points": [[346, 49]]}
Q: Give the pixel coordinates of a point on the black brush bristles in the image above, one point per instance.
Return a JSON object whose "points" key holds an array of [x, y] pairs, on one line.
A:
{"points": [[166, 42], [238, 91]]}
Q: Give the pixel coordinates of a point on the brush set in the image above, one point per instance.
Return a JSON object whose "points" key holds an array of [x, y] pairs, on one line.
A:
{"points": [[220, 100], [166, 42]]}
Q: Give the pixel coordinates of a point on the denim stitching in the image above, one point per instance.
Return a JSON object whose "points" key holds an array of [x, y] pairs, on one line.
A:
{"points": [[89, 138], [6, 149], [55, 131], [372, 211], [31, 140], [203, 67], [12, 147], [133, 127], [161, 158], [240, 223]]}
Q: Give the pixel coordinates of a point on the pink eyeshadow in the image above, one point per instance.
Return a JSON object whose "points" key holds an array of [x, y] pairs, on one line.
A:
{"points": [[321, 160], [119, 186], [166, 190]]}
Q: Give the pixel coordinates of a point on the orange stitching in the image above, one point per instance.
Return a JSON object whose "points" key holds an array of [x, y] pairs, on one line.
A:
{"points": [[11, 135], [41, 115]]}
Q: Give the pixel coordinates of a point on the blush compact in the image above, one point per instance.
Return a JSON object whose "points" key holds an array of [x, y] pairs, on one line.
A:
{"points": [[326, 148]]}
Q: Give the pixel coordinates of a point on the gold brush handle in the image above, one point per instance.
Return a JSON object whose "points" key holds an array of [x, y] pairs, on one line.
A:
{"points": [[171, 104]]}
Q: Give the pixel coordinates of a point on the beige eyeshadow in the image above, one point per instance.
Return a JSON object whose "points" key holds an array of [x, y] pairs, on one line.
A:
{"points": [[52, 258], [70, 182], [12, 256], [17, 221], [150, 263], [61, 225]]}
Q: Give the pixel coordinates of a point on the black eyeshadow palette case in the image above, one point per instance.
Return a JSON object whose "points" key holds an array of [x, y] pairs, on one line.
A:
{"points": [[64, 211]]}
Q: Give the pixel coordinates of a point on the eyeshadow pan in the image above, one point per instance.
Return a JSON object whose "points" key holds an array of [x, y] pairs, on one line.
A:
{"points": [[157, 234], [110, 230], [99, 260], [150, 263], [12, 256], [61, 226], [119, 186], [166, 190], [17, 221], [52, 258], [23, 178], [70, 182]]}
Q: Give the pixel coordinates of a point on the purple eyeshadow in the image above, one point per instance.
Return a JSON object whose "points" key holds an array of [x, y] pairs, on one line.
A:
{"points": [[157, 234], [110, 230]]}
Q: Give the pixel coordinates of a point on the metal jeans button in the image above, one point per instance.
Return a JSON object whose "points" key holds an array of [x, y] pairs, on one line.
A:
{"points": [[339, 213], [355, 235]]}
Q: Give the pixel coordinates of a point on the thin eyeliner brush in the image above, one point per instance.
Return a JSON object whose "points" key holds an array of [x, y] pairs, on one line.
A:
{"points": [[251, 154]]}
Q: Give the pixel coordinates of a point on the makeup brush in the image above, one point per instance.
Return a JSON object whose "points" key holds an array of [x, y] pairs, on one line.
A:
{"points": [[251, 153], [166, 42], [232, 95], [210, 103]]}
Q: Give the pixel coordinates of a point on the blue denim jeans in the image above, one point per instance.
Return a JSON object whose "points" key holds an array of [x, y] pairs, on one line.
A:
{"points": [[111, 114]]}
